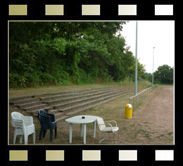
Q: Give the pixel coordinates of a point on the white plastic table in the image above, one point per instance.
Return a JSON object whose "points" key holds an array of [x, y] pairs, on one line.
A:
{"points": [[82, 122]]}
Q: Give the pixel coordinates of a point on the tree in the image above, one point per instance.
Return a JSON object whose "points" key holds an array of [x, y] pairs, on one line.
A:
{"points": [[164, 75], [43, 53]]}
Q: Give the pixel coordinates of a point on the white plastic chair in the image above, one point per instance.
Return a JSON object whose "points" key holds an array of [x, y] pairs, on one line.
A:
{"points": [[24, 126], [105, 126]]}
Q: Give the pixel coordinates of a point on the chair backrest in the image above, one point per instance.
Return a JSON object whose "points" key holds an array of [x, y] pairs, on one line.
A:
{"points": [[101, 123], [42, 112], [43, 117], [17, 119]]}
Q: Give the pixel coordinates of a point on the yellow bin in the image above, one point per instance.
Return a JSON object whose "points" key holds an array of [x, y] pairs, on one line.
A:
{"points": [[128, 111]]}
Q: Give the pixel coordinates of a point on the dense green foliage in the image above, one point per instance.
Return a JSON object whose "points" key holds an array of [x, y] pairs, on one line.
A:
{"points": [[164, 75], [62, 53]]}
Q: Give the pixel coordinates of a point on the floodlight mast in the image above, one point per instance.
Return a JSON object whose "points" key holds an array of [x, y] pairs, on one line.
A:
{"points": [[136, 57], [153, 68]]}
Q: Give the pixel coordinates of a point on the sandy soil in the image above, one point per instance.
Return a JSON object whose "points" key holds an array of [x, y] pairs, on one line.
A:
{"points": [[153, 122]]}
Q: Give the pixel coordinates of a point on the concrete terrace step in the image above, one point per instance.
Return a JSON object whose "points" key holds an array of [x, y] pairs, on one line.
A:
{"points": [[71, 102], [61, 96], [23, 101], [35, 111], [67, 92], [82, 107], [34, 107], [53, 111], [20, 97], [88, 103], [73, 98], [76, 102], [70, 94], [60, 116], [76, 111], [57, 96], [84, 100], [55, 93], [29, 104]]}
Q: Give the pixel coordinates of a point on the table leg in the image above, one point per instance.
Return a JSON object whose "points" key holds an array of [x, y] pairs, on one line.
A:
{"points": [[70, 133], [84, 137], [94, 129], [81, 129]]}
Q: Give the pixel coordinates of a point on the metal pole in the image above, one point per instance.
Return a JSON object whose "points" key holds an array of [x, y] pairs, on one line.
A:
{"points": [[136, 58], [153, 68]]}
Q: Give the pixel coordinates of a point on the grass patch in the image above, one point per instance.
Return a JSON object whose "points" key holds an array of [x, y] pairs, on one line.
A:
{"points": [[91, 109], [170, 133]]}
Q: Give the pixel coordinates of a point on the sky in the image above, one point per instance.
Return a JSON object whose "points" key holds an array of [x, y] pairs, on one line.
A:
{"points": [[158, 34]]}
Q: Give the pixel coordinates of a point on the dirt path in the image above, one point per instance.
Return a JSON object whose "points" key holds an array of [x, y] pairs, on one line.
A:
{"points": [[153, 122]]}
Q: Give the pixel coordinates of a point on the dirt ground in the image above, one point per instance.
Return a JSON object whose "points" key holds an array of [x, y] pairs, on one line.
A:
{"points": [[152, 122]]}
